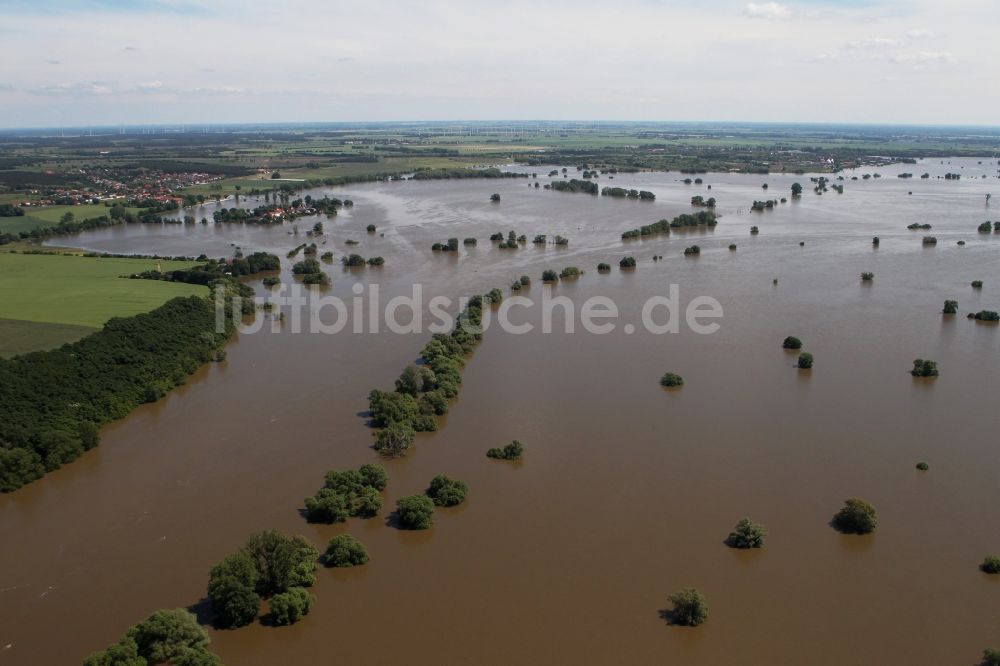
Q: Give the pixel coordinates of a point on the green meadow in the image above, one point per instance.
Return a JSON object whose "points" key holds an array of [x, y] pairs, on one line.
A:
{"points": [[50, 299], [49, 216]]}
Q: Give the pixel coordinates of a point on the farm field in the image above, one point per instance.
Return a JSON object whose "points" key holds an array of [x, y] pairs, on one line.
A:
{"points": [[49, 299]]}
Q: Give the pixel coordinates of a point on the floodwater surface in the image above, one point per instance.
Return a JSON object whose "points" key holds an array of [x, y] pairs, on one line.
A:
{"points": [[626, 490]]}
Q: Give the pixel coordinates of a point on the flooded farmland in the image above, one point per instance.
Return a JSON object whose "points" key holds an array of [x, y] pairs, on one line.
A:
{"points": [[626, 491]]}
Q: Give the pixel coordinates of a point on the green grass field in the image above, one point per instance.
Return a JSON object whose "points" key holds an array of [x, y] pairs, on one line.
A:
{"points": [[47, 300], [48, 216]]}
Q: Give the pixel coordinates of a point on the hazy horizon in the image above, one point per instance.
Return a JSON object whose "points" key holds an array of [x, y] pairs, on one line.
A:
{"points": [[157, 62]]}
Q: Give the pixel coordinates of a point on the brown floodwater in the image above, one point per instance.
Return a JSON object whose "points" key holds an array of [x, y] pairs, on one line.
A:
{"points": [[626, 491]]}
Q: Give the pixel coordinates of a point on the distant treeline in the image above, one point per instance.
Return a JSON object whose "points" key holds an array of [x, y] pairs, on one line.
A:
{"points": [[216, 269], [178, 166], [631, 194], [53, 402], [573, 185], [704, 218], [446, 174]]}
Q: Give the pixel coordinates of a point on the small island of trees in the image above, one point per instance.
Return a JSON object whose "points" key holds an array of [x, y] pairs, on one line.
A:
{"points": [[268, 565], [991, 564], [348, 493], [805, 361], [603, 268], [693, 250], [512, 451], [627, 262], [950, 307], [495, 197]]}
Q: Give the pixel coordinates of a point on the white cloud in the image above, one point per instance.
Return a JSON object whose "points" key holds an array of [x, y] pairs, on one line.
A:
{"points": [[921, 33], [875, 43], [766, 10]]}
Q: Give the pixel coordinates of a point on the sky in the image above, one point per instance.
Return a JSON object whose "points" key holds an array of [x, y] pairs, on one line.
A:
{"points": [[122, 62]]}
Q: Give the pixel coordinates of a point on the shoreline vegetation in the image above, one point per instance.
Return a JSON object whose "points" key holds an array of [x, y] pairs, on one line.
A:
{"points": [[52, 403]]}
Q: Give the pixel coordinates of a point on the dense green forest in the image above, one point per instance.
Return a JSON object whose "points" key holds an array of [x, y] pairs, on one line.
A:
{"points": [[53, 402]]}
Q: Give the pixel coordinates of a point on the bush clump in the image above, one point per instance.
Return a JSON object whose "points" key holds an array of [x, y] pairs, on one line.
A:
{"points": [[627, 262], [857, 517], [867, 276], [445, 491], [791, 342], [415, 512], [991, 564], [512, 451], [950, 307], [603, 268], [924, 368], [348, 493], [671, 379], [747, 534], [550, 276], [805, 361], [991, 657], [977, 284], [922, 466], [570, 272], [290, 607], [344, 551], [690, 608]]}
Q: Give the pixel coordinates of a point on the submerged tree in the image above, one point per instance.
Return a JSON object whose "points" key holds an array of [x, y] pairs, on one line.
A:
{"points": [[747, 534], [671, 379], [394, 439], [950, 307], [345, 551], [446, 491], [415, 512], [924, 368], [690, 607], [791, 342], [857, 517], [291, 606], [805, 361]]}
